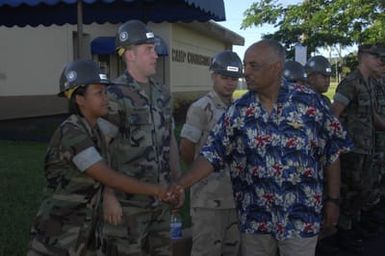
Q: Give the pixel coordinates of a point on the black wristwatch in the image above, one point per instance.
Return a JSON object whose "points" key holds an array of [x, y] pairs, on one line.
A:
{"points": [[336, 201]]}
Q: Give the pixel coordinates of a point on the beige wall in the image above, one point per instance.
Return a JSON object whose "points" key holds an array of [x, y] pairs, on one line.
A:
{"points": [[186, 76], [31, 60]]}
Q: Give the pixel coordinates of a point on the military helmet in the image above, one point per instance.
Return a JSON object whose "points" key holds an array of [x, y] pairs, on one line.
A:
{"points": [[318, 64], [294, 71], [377, 49], [133, 32], [80, 73], [227, 63]]}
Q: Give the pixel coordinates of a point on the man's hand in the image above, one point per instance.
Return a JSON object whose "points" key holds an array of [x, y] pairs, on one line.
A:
{"points": [[174, 195], [332, 212]]}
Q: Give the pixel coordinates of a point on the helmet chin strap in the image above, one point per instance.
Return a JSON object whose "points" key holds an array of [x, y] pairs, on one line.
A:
{"points": [[68, 93], [121, 51]]}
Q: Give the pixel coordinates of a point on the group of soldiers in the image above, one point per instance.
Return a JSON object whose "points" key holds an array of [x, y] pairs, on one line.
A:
{"points": [[117, 164], [359, 104]]}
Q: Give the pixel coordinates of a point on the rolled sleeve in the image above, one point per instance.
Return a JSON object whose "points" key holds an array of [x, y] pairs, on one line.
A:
{"points": [[191, 133], [341, 98], [86, 158]]}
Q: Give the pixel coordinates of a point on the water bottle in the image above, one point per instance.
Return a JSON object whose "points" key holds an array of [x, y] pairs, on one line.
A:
{"points": [[175, 225]]}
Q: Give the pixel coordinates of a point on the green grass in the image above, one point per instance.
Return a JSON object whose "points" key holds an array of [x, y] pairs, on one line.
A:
{"points": [[21, 183], [331, 91]]}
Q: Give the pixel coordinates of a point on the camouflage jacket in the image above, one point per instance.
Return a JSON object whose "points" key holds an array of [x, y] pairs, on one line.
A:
{"points": [[358, 96], [215, 191], [141, 149], [380, 108], [66, 219]]}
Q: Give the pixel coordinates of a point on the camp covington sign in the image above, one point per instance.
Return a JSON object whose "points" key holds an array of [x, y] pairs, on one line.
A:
{"points": [[190, 58]]}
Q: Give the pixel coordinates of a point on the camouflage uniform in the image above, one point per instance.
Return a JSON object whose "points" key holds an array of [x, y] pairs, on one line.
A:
{"points": [[380, 141], [215, 223], [357, 171], [65, 223], [141, 150]]}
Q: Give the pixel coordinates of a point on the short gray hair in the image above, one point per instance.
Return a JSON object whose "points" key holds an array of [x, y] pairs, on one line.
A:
{"points": [[277, 48]]}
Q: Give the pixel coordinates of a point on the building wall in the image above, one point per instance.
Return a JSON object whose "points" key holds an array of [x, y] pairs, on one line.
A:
{"points": [[33, 58], [190, 56]]}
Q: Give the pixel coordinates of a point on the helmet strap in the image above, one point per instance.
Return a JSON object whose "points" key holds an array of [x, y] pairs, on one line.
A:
{"points": [[121, 51], [68, 93]]}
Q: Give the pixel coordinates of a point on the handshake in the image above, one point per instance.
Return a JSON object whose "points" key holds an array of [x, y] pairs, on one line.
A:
{"points": [[172, 195]]}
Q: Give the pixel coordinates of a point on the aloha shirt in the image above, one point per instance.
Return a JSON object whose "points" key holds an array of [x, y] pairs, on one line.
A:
{"points": [[277, 159]]}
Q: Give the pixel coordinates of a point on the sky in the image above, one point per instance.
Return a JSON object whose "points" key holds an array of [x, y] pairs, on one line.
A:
{"points": [[234, 16]]}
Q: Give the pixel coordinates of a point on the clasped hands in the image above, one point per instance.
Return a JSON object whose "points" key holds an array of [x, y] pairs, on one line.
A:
{"points": [[172, 195]]}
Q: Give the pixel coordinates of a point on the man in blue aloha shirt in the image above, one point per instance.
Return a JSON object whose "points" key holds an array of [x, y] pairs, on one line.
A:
{"points": [[279, 140]]}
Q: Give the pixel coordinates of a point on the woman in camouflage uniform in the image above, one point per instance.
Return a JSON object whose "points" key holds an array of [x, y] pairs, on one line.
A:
{"points": [[76, 166]]}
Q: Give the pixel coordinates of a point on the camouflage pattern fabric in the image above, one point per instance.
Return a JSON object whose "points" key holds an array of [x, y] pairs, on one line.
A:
{"points": [[215, 232], [66, 221], [357, 174], [215, 191], [358, 95], [215, 223], [357, 168], [141, 150], [145, 232], [379, 188]]}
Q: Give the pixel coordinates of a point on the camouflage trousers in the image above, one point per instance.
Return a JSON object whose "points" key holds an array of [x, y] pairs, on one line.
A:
{"points": [[70, 243], [358, 177], [143, 231], [215, 232], [67, 235], [378, 189]]}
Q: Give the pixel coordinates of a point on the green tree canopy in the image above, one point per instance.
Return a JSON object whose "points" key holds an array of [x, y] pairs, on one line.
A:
{"points": [[320, 23]]}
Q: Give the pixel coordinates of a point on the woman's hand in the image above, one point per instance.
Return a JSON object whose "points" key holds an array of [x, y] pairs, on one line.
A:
{"points": [[112, 209]]}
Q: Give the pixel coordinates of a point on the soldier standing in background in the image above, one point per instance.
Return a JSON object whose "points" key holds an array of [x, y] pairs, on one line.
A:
{"points": [[294, 72], [375, 214], [354, 103], [215, 224], [319, 70], [145, 148]]}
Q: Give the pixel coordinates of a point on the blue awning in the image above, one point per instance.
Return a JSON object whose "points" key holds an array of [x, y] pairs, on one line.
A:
{"points": [[59, 12], [106, 45], [103, 45]]}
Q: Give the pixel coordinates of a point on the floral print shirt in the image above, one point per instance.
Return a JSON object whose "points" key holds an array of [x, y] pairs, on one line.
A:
{"points": [[277, 159]]}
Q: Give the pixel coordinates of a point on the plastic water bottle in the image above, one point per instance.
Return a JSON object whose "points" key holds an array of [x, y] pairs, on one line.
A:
{"points": [[175, 225]]}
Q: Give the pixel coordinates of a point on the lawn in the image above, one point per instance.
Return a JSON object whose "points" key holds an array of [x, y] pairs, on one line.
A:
{"points": [[21, 171]]}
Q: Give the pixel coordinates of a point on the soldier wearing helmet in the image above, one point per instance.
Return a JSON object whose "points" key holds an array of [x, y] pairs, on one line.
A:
{"points": [[376, 213], [318, 70], [215, 230], [76, 167], [294, 72], [355, 104], [145, 148]]}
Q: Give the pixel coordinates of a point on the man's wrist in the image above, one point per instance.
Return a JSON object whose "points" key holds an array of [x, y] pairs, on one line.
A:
{"points": [[334, 200]]}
